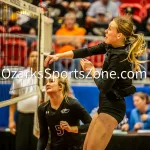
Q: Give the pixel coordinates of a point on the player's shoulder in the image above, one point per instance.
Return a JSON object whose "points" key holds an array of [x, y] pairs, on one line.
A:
{"points": [[71, 101], [43, 106]]}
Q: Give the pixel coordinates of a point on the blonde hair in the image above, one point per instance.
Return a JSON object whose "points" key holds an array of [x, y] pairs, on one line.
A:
{"points": [[143, 96], [64, 82], [136, 41]]}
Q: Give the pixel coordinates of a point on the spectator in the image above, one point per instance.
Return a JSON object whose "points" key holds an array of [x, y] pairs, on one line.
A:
{"points": [[129, 11], [63, 44], [32, 31], [32, 37], [110, 9], [98, 28], [78, 3], [69, 28], [79, 7], [56, 11], [140, 116]]}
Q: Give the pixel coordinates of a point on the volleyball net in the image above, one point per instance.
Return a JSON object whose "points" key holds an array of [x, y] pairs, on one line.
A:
{"points": [[23, 28]]}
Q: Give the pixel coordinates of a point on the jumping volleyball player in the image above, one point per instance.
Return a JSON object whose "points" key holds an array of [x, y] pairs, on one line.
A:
{"points": [[121, 48]]}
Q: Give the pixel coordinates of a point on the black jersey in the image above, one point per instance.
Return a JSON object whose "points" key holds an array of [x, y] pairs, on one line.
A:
{"points": [[70, 111], [113, 64]]}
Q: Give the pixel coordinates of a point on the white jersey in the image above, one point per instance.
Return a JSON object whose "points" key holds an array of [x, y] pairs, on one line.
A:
{"points": [[23, 84]]}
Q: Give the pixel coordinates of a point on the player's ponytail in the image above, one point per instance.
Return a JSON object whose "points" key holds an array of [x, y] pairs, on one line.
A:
{"points": [[136, 41], [138, 48]]}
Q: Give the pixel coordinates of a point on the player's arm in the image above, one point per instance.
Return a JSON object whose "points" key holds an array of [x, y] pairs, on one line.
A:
{"points": [[12, 110], [42, 141], [94, 50], [82, 114], [91, 14], [65, 126], [79, 53], [79, 113]]}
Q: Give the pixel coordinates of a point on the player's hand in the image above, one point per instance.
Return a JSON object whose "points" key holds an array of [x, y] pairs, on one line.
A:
{"points": [[138, 126], [65, 126], [50, 59], [12, 127], [125, 127], [144, 117], [86, 65]]}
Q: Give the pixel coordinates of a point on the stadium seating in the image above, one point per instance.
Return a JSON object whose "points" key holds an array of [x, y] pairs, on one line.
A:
{"points": [[15, 52]]}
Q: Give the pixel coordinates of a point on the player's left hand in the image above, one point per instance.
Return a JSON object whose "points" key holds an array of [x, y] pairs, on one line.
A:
{"points": [[65, 126], [86, 65]]}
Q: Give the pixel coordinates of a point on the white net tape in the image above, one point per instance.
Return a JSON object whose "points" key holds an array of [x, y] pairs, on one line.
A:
{"points": [[25, 6], [20, 98]]}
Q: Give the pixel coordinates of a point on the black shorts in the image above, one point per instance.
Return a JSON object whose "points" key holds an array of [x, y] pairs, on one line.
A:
{"points": [[113, 105]]}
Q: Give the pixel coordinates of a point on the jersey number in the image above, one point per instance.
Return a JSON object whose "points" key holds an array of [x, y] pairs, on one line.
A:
{"points": [[60, 132]]}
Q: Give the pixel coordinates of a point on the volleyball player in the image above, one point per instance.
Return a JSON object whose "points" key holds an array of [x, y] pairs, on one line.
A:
{"points": [[121, 48], [62, 115]]}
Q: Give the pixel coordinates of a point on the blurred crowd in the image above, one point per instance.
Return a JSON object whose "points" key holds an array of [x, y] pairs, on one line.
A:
{"points": [[78, 18]]}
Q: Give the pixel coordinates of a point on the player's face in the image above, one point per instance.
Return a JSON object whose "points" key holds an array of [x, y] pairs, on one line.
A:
{"points": [[52, 86], [111, 34], [138, 102]]}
